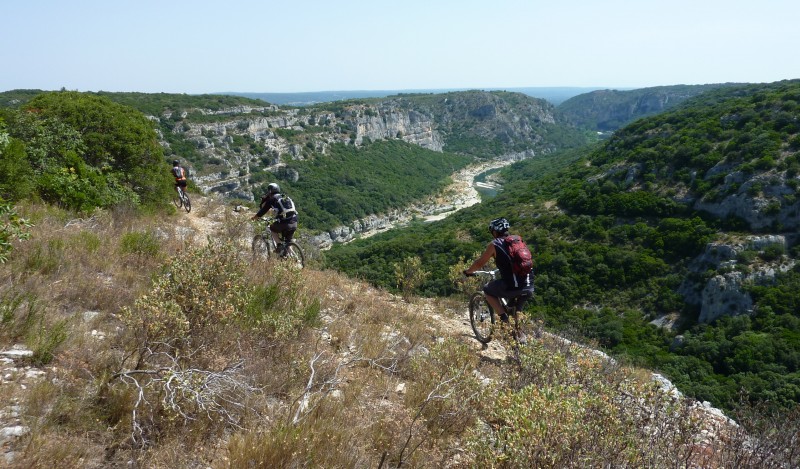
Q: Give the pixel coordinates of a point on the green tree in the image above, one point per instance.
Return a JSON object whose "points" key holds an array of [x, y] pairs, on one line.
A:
{"points": [[16, 173], [117, 143]]}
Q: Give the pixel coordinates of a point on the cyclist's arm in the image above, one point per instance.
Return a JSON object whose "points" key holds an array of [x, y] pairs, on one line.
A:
{"points": [[481, 261], [265, 207]]}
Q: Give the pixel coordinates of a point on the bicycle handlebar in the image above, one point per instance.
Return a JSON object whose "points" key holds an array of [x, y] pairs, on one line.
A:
{"points": [[483, 272]]}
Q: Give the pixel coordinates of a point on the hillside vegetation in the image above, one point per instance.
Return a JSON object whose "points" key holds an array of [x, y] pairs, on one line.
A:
{"points": [[80, 151], [143, 357], [134, 335], [609, 110], [632, 232], [387, 153]]}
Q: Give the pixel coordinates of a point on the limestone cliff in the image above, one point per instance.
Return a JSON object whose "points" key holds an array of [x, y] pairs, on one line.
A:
{"points": [[719, 277], [233, 144]]}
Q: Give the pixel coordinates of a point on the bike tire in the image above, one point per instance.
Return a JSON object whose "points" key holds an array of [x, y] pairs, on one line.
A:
{"points": [[260, 247], [294, 253], [481, 318], [177, 200], [187, 204]]}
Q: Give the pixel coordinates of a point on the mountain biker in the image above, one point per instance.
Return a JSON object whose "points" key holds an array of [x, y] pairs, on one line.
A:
{"points": [[180, 175], [285, 214], [509, 285]]}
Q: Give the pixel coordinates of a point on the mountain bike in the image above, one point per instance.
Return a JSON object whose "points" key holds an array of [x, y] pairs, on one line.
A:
{"points": [[264, 247], [182, 199], [481, 316]]}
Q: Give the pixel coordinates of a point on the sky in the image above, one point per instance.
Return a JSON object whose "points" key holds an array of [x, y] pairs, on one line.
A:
{"points": [[268, 46]]}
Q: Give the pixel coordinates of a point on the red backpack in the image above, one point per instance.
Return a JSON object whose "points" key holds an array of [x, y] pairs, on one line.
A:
{"points": [[521, 259]]}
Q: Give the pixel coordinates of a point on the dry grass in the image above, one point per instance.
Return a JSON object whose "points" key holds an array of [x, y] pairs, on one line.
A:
{"points": [[329, 372]]}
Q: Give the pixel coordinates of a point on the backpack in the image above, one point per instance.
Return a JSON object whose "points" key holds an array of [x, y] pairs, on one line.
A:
{"points": [[286, 205], [521, 259]]}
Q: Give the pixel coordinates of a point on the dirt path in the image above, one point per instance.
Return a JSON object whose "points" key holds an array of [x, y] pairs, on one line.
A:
{"points": [[207, 219]]}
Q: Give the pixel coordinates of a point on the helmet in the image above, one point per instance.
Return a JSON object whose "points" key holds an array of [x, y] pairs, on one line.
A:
{"points": [[499, 225], [176, 163], [273, 188]]}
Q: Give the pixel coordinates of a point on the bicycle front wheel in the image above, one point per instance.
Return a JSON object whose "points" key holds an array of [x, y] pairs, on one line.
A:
{"points": [[295, 254], [261, 248], [481, 317], [177, 200], [187, 204]]}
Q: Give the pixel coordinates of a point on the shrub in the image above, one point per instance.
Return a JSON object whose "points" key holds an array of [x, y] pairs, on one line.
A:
{"points": [[202, 288], [12, 227], [409, 275], [139, 243], [281, 307]]}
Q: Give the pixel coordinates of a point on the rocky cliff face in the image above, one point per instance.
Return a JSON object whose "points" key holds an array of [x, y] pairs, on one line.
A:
{"points": [[764, 201], [609, 110], [718, 279], [237, 143]]}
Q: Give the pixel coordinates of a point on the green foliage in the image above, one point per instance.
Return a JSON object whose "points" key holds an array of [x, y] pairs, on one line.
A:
{"points": [[281, 307], [351, 183], [409, 275], [139, 243], [82, 151], [12, 227], [16, 173], [200, 289]]}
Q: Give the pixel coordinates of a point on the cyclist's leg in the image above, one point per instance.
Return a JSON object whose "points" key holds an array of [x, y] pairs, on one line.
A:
{"points": [[495, 290], [275, 230], [518, 298]]}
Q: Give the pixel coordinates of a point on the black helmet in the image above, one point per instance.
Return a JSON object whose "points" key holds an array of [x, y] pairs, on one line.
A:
{"points": [[273, 188], [499, 225], [176, 163]]}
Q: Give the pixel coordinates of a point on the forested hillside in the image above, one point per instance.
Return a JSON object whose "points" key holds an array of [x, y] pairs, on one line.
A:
{"points": [[609, 110], [412, 143], [132, 335], [687, 219]]}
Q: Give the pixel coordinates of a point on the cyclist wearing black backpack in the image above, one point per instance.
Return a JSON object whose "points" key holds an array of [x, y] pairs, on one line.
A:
{"points": [[513, 259], [284, 210]]}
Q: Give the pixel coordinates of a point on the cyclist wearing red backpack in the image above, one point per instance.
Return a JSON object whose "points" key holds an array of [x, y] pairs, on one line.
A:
{"points": [[513, 259]]}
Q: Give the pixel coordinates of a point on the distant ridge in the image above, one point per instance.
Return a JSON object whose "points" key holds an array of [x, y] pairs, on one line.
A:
{"points": [[555, 95]]}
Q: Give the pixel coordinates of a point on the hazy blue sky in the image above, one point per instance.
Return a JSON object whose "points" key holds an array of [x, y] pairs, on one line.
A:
{"points": [[201, 46]]}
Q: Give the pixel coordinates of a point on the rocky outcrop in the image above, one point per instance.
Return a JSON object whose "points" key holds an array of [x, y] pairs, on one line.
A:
{"points": [[763, 201], [723, 293]]}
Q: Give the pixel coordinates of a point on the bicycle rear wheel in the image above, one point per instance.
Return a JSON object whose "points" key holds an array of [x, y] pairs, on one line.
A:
{"points": [[187, 204], [261, 247], [295, 254], [481, 317]]}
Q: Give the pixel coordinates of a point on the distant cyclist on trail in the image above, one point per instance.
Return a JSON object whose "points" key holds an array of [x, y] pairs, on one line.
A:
{"points": [[284, 210], [514, 280], [180, 175]]}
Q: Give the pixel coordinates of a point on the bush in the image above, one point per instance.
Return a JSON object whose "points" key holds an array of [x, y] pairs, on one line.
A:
{"points": [[200, 289], [138, 243]]}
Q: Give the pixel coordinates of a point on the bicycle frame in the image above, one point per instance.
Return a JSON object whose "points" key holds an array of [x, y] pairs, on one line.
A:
{"points": [[287, 248], [267, 233], [482, 316]]}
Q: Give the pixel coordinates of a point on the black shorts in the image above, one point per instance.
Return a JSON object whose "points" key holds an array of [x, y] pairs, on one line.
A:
{"points": [[285, 228], [180, 184], [499, 289]]}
